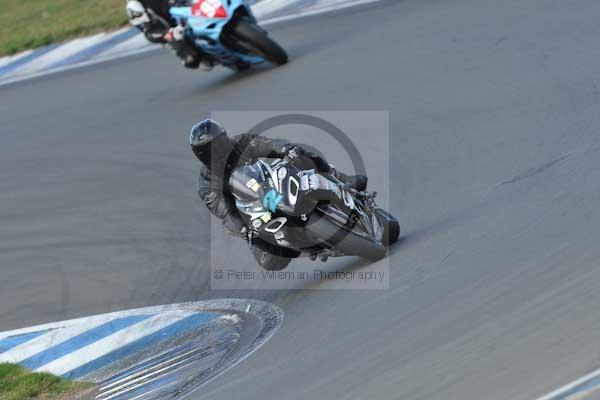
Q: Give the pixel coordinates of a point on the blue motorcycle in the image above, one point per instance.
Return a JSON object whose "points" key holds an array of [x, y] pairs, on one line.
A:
{"points": [[227, 32]]}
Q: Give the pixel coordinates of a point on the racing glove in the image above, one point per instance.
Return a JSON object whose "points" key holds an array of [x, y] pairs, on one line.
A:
{"points": [[175, 34]]}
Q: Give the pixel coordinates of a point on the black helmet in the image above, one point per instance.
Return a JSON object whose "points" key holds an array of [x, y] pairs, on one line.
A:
{"points": [[210, 142]]}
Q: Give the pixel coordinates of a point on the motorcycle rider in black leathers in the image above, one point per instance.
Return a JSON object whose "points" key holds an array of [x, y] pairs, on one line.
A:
{"points": [[153, 19], [220, 155]]}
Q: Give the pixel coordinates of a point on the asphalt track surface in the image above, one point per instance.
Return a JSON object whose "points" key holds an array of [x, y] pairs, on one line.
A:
{"points": [[495, 288]]}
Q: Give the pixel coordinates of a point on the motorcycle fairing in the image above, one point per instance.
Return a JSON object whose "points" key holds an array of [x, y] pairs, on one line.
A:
{"points": [[206, 31]]}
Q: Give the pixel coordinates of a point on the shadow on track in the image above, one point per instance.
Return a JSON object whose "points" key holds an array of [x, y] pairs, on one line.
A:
{"points": [[230, 78], [296, 52]]}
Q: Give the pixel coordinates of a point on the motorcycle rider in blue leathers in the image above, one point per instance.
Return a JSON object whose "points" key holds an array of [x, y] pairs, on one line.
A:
{"points": [[153, 19], [220, 155]]}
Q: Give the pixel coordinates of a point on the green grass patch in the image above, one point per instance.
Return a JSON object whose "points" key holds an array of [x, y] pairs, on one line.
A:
{"points": [[26, 24], [16, 383]]}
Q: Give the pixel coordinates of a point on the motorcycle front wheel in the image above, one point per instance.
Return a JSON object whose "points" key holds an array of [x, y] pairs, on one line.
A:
{"points": [[259, 42], [343, 239], [391, 226]]}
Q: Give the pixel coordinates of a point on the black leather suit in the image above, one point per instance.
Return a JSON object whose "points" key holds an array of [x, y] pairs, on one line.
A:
{"points": [[247, 148]]}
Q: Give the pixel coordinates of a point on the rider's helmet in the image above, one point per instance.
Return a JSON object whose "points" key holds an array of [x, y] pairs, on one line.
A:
{"points": [[136, 13], [210, 142]]}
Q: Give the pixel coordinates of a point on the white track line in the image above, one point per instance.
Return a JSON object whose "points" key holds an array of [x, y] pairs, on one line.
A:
{"points": [[268, 6], [9, 59], [560, 392], [316, 9], [133, 44], [61, 53]]}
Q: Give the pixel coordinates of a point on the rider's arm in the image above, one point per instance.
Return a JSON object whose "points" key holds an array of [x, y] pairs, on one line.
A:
{"points": [[278, 148], [218, 204], [143, 15]]}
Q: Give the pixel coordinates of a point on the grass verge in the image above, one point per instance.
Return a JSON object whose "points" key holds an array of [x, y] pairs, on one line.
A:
{"points": [[26, 24], [16, 383]]}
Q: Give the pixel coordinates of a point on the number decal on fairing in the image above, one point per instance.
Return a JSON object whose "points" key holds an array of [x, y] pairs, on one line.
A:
{"points": [[209, 8]]}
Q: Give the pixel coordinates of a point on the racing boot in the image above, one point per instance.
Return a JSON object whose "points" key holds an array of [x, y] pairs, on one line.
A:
{"points": [[190, 55], [207, 64]]}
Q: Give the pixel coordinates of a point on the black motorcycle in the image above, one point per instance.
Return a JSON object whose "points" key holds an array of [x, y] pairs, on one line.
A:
{"points": [[309, 212]]}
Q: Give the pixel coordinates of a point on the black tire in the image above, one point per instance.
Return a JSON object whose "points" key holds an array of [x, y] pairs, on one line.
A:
{"points": [[271, 257], [276, 263], [260, 42], [270, 262], [346, 241], [391, 226]]}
